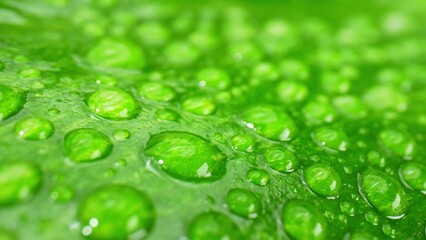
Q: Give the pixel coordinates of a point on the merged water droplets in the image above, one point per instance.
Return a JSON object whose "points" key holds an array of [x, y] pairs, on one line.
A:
{"points": [[11, 101], [113, 103], [186, 156], [19, 182], [86, 145], [116, 212]]}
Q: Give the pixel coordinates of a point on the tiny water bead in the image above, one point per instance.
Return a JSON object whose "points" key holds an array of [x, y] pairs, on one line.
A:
{"points": [[113, 103], [34, 128], [259, 177], [244, 203], [11, 101], [347, 208], [270, 122], [281, 159], [384, 193], [213, 226], [330, 138], [350, 106], [186, 156], [323, 180], [156, 91], [372, 217], [213, 78], [86, 145], [61, 193], [109, 52], [121, 134], [30, 73], [116, 212], [317, 113], [291, 91], [302, 221], [414, 175], [242, 143], [19, 182], [199, 106], [399, 142]]}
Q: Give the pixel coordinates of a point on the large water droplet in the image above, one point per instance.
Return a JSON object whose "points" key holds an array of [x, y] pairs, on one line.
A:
{"points": [[302, 221], [116, 212], [34, 128], [384, 193], [11, 101], [186, 156], [270, 122], [323, 180], [87, 144], [213, 226], [244, 203], [19, 182], [113, 103]]}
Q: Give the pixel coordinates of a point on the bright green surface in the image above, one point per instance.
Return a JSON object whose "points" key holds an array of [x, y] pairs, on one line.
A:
{"points": [[240, 120]]}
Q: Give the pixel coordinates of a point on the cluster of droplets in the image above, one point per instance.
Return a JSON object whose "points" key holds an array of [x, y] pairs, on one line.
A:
{"points": [[296, 123]]}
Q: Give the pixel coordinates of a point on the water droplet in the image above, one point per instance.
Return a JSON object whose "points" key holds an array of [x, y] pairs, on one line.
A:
{"points": [[116, 212], [323, 180], [19, 182], [214, 78], [399, 142], [242, 143], [318, 113], [413, 174], [385, 98], [61, 193], [106, 80], [269, 122], [30, 73], [244, 203], [113, 103], [11, 101], [199, 106], [181, 53], [264, 72], [302, 220], [121, 134], [186, 156], [166, 115], [34, 128], [291, 91], [153, 33], [258, 176], [214, 226], [350, 106], [388, 230], [156, 91], [384, 193], [86, 145], [330, 139], [347, 208], [109, 52], [281, 159], [372, 218]]}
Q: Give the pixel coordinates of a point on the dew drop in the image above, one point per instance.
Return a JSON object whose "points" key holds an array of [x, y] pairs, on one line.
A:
{"points": [[34, 128], [244, 203]]}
